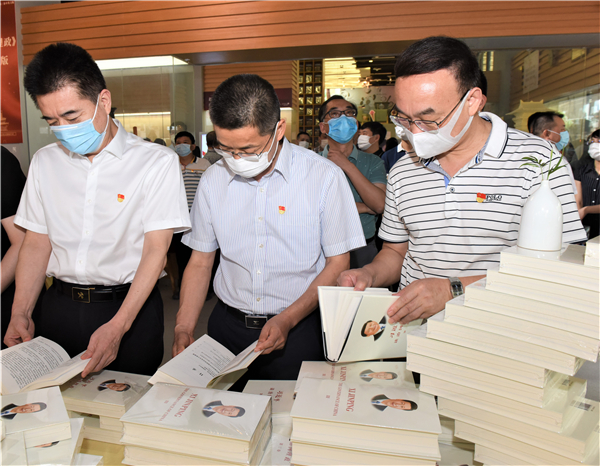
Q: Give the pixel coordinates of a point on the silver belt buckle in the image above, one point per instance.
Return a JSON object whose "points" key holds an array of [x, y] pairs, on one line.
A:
{"points": [[255, 322]]}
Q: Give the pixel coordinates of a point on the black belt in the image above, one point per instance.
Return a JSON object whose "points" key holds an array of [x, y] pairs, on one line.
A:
{"points": [[252, 321], [92, 293]]}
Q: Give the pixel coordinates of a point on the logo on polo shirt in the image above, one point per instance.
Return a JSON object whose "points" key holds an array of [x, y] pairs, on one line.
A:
{"points": [[489, 197], [120, 197], [282, 209]]}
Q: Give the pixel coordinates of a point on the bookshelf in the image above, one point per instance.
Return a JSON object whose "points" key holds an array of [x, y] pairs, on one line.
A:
{"points": [[310, 97]]}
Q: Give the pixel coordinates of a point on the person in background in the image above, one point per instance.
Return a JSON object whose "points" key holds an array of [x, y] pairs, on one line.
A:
{"points": [[391, 143], [587, 179], [100, 208], [303, 139], [211, 142], [284, 220], [192, 169], [438, 236], [323, 141], [13, 182], [365, 172], [371, 137], [160, 141]]}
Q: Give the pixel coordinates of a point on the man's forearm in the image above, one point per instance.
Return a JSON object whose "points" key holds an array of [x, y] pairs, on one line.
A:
{"points": [[309, 300], [371, 195], [386, 268], [30, 272]]}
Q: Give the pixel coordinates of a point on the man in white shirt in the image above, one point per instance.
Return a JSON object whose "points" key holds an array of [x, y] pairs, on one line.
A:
{"points": [[456, 203], [100, 208]]}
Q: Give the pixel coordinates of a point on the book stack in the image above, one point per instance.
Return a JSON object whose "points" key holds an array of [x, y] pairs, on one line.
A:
{"points": [[282, 400], [502, 358], [178, 424], [63, 452], [339, 422], [101, 399]]}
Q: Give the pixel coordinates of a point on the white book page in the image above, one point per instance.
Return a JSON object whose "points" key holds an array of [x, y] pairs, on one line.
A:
{"points": [[242, 360], [199, 363], [63, 373], [25, 363], [344, 321]]}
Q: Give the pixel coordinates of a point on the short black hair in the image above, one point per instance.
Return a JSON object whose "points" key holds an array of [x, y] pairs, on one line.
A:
{"points": [[301, 133], [211, 139], [364, 327], [376, 128], [391, 143], [541, 121], [184, 134], [595, 134], [482, 83], [62, 64], [245, 100], [440, 53], [333, 97]]}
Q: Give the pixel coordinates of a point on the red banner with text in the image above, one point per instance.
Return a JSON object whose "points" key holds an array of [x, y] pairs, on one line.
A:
{"points": [[10, 115]]}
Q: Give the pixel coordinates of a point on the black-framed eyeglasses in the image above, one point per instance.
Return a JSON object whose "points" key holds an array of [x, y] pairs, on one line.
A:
{"points": [[248, 156], [335, 113], [423, 125]]}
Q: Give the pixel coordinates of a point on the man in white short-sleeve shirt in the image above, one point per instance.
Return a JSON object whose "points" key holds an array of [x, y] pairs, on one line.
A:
{"points": [[456, 203], [100, 208]]}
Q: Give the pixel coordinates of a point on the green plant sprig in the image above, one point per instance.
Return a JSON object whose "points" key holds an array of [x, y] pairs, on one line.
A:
{"points": [[533, 162]]}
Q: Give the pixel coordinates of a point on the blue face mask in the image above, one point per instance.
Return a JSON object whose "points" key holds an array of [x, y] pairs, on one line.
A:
{"points": [[564, 139], [81, 138], [342, 129], [183, 149]]}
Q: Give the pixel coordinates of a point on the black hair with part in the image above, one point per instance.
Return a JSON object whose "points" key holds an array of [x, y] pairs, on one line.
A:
{"points": [[440, 53], [245, 100], [322, 111], [211, 139], [184, 134], [59, 65]]}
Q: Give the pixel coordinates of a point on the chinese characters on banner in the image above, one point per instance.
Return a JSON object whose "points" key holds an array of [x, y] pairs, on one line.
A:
{"points": [[10, 114]]}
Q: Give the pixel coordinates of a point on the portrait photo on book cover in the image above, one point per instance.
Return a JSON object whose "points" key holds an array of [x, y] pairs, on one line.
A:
{"points": [[216, 407], [374, 329], [368, 375], [11, 410], [114, 385], [382, 402]]}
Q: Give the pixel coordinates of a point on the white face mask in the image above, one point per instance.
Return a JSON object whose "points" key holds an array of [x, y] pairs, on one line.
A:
{"points": [[364, 142], [303, 144], [594, 150], [249, 167], [431, 143]]}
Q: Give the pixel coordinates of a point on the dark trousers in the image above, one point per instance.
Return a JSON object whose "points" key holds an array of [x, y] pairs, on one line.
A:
{"points": [[363, 256], [71, 324], [304, 343]]}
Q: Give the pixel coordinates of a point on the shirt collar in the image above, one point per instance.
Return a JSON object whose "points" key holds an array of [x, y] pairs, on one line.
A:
{"points": [[496, 141], [282, 164]]}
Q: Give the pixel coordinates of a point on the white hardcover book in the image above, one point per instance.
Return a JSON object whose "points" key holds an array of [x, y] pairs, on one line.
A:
{"points": [[206, 364], [61, 452], [447, 436], [278, 452], [418, 343], [93, 431], [389, 374], [500, 345], [565, 267], [88, 460], [396, 421], [13, 450], [477, 295], [107, 393], [553, 416], [2, 431], [528, 394], [553, 293], [111, 423], [280, 391], [37, 363], [456, 454], [517, 448], [39, 414], [489, 456], [197, 421], [456, 312], [310, 454], [355, 325], [576, 441], [592, 252]]}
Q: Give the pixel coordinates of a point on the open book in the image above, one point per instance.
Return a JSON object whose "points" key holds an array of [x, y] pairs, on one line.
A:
{"points": [[37, 363], [206, 364], [355, 325]]}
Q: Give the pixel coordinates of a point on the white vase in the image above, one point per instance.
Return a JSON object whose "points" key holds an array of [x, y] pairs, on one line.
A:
{"points": [[541, 221]]}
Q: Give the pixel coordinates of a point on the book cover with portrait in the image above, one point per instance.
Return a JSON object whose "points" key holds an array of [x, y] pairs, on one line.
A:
{"points": [[59, 451], [106, 393]]}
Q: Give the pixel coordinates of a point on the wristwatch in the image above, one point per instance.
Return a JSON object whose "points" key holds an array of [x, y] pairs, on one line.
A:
{"points": [[457, 287]]}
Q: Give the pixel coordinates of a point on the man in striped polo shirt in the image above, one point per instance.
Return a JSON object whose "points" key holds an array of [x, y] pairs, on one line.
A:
{"points": [[456, 203]]}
